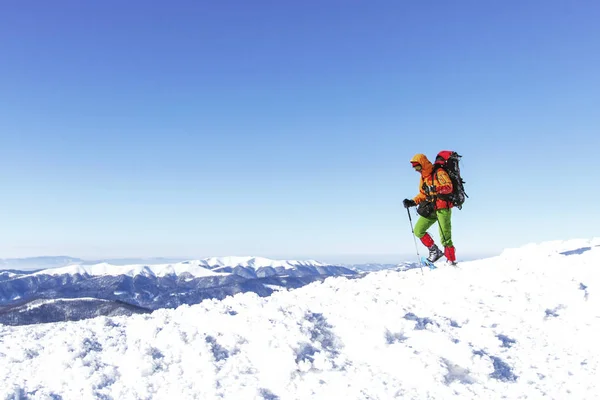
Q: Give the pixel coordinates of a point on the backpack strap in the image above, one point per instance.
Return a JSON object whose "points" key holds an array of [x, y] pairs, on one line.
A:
{"points": [[429, 189], [426, 188]]}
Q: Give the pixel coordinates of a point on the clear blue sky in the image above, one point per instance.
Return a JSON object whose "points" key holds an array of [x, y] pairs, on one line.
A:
{"points": [[284, 129]]}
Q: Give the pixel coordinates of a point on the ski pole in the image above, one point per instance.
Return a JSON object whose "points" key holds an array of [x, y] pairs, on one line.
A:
{"points": [[415, 239]]}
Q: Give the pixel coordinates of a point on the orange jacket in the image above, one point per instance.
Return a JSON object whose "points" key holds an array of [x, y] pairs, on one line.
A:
{"points": [[431, 186]]}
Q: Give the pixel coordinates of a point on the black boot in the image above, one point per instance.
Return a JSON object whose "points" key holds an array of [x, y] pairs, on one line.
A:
{"points": [[434, 254]]}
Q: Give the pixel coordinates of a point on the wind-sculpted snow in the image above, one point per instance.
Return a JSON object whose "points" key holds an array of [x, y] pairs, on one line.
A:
{"points": [[480, 331]]}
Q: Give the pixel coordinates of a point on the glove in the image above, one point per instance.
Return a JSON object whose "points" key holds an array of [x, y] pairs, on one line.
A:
{"points": [[409, 203]]}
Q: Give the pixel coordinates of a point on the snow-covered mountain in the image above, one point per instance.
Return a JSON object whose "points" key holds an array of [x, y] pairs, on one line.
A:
{"points": [[46, 262], [370, 267], [523, 325], [150, 287]]}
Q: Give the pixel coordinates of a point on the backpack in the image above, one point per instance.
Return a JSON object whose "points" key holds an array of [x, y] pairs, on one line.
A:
{"points": [[448, 161]]}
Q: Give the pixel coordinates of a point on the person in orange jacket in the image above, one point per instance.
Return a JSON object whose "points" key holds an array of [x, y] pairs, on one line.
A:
{"points": [[434, 183]]}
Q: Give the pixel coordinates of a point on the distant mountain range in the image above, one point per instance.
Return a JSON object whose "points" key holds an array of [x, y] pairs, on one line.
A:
{"points": [[45, 262], [81, 290], [370, 267]]}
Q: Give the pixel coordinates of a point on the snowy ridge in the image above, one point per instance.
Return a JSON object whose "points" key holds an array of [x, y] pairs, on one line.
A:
{"points": [[552, 248], [38, 303], [258, 262], [513, 326], [196, 268]]}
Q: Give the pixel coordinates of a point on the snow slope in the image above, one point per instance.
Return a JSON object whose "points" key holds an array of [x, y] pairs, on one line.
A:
{"points": [[523, 325]]}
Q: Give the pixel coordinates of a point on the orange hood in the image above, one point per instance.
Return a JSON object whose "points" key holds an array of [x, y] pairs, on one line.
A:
{"points": [[426, 165]]}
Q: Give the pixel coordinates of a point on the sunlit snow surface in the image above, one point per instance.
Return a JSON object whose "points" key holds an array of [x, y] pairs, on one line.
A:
{"points": [[524, 325]]}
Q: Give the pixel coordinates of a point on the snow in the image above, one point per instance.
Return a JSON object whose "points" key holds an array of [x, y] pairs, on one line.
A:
{"points": [[258, 262], [41, 302], [275, 287], [197, 268], [193, 268], [522, 325]]}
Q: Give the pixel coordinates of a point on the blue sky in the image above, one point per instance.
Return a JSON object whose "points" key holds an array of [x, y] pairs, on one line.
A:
{"points": [[283, 129]]}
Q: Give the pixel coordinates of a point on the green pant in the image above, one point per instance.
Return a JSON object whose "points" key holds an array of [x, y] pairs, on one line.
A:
{"points": [[444, 219]]}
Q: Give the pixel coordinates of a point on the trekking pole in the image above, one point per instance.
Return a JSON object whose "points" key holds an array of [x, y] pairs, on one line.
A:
{"points": [[415, 239]]}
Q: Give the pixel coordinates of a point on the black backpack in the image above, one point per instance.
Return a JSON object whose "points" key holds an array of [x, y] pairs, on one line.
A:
{"points": [[448, 161]]}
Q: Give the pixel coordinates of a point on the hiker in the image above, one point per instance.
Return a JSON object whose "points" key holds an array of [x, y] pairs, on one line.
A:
{"points": [[434, 184]]}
